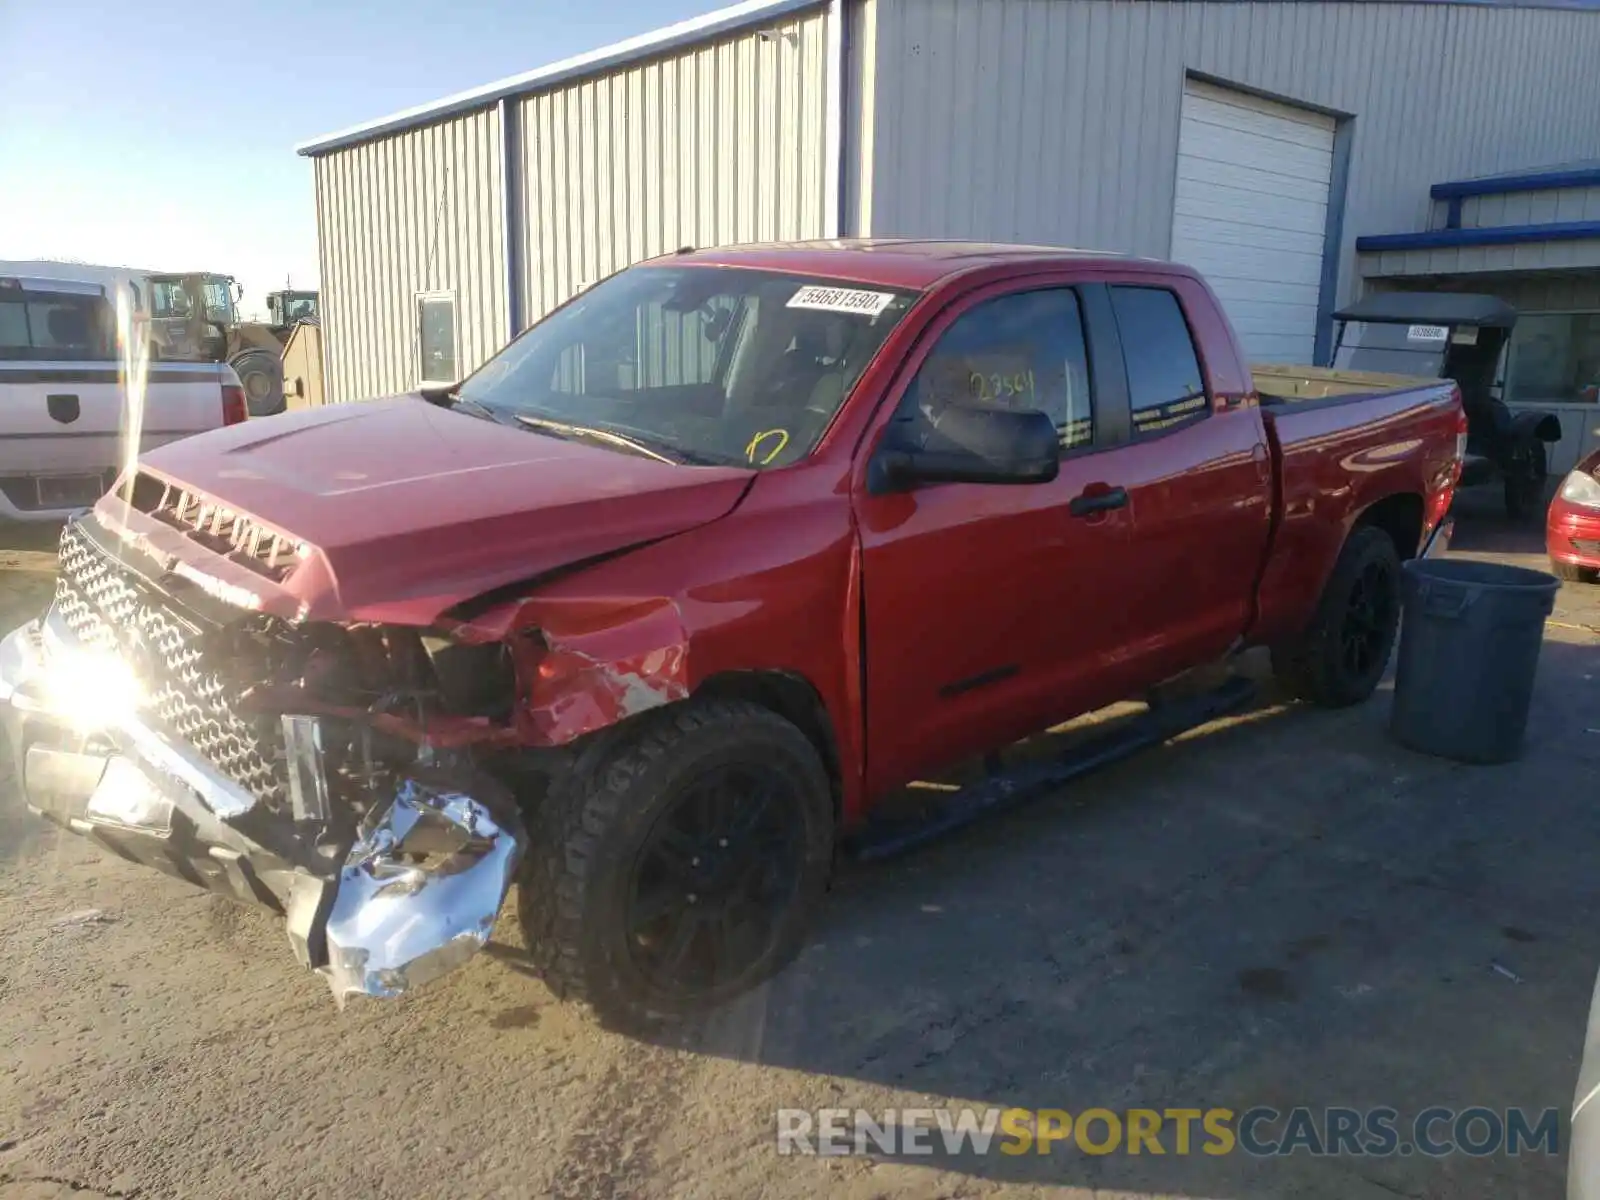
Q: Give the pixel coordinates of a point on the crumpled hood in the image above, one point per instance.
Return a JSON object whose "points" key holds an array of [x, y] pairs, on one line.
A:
{"points": [[406, 509]]}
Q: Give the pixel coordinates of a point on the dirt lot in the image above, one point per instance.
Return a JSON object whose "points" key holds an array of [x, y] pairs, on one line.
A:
{"points": [[1282, 909]]}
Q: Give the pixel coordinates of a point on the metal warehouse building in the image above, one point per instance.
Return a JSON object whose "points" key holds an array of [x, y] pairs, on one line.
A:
{"points": [[1299, 153]]}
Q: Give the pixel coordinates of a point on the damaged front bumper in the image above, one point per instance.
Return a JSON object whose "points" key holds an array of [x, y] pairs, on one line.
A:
{"points": [[413, 895]]}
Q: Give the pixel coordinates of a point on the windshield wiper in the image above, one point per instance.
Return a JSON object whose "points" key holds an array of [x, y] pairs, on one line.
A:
{"points": [[651, 449], [479, 409], [450, 397]]}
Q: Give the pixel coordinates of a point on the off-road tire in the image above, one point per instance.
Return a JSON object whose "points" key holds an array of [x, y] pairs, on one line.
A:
{"points": [[1524, 491], [586, 838], [1573, 573], [1313, 667], [261, 373]]}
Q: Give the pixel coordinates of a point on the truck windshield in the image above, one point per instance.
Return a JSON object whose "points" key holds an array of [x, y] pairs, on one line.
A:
{"points": [[714, 364], [55, 327], [1393, 349]]}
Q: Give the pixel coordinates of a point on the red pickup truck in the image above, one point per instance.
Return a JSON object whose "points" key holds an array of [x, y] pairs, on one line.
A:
{"points": [[651, 611]]}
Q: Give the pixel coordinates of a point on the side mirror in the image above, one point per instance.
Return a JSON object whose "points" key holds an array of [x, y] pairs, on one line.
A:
{"points": [[968, 444]]}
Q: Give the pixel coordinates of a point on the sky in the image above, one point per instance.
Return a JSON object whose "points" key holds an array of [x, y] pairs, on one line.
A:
{"points": [[161, 136]]}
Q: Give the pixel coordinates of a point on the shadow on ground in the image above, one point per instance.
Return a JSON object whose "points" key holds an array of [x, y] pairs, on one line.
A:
{"points": [[1284, 909], [1482, 526], [36, 536]]}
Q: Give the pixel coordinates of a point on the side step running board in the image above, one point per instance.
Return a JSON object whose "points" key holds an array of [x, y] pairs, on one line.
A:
{"points": [[1013, 787]]}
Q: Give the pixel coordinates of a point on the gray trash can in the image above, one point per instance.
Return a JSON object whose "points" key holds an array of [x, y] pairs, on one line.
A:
{"points": [[1469, 646]]}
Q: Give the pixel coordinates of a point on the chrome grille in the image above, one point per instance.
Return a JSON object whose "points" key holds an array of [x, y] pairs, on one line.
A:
{"points": [[106, 611]]}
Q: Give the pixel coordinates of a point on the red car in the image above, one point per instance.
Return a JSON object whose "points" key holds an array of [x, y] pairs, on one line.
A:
{"points": [[1572, 528], [654, 610]]}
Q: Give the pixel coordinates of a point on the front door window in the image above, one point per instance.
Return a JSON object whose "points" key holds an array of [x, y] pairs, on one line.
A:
{"points": [[1023, 351]]}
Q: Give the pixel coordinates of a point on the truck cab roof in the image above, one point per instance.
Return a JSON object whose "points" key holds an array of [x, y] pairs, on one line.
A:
{"points": [[59, 287], [910, 263]]}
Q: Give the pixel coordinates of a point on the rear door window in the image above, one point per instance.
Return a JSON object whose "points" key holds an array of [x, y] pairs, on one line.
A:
{"points": [[62, 327], [1023, 351], [1165, 386]]}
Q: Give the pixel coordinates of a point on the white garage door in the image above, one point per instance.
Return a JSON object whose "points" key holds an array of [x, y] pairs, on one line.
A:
{"points": [[1251, 210]]}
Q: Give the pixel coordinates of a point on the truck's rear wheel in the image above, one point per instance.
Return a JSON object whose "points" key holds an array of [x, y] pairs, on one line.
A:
{"points": [[683, 868], [1340, 658], [261, 373]]}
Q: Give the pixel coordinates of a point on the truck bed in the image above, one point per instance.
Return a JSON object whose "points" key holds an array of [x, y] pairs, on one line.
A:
{"points": [[1285, 383], [1340, 452]]}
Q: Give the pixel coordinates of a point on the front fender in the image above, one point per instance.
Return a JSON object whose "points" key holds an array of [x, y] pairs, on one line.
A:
{"points": [[583, 666]]}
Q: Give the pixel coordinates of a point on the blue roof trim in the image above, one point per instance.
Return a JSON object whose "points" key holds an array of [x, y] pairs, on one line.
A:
{"points": [[1529, 181], [1494, 235]]}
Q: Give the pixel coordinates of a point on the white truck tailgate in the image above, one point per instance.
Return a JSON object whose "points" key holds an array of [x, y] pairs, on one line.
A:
{"points": [[75, 416], [66, 424]]}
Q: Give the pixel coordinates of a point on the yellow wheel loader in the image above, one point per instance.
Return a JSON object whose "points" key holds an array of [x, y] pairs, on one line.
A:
{"points": [[195, 317]]}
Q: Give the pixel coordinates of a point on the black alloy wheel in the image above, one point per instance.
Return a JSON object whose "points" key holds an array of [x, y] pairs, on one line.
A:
{"points": [[1369, 618], [713, 879], [680, 863], [1340, 657]]}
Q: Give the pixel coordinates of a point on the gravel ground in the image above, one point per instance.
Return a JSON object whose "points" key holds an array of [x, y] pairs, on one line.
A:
{"points": [[1283, 908]]}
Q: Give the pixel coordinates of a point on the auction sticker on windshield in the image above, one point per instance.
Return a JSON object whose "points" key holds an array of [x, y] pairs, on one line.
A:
{"points": [[1427, 333], [845, 300]]}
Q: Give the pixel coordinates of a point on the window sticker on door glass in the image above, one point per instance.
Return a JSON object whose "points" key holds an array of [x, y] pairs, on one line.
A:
{"points": [[845, 300], [1002, 379], [1427, 333], [1001, 387]]}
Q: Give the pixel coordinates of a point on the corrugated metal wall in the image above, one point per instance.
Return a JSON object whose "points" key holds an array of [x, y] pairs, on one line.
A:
{"points": [[1057, 120], [1531, 208], [718, 143], [413, 212]]}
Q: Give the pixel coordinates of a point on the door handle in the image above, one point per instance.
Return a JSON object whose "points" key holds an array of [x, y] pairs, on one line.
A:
{"points": [[1090, 503]]}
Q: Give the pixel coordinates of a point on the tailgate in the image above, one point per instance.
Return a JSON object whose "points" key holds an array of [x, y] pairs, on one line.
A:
{"points": [[70, 417], [64, 427]]}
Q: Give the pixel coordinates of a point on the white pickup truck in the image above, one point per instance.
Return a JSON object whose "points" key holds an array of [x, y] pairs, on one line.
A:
{"points": [[64, 420]]}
